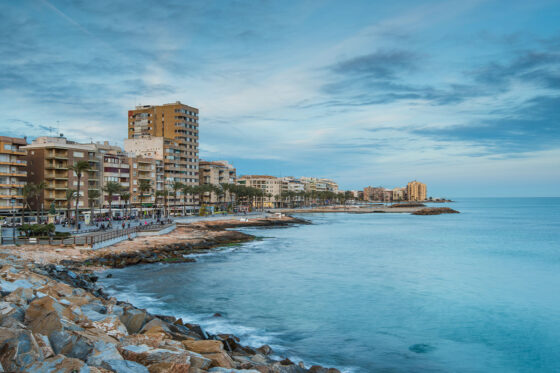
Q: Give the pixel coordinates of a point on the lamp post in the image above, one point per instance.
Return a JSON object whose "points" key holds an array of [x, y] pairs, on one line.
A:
{"points": [[13, 203]]}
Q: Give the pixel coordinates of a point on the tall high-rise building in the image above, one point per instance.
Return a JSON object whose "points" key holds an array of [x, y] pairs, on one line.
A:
{"points": [[13, 172], [416, 191], [168, 133]]}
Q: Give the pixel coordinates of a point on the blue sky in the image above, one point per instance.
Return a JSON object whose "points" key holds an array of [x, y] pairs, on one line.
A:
{"points": [[462, 95]]}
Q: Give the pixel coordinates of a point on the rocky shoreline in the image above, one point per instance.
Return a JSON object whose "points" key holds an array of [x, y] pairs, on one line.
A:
{"points": [[55, 318]]}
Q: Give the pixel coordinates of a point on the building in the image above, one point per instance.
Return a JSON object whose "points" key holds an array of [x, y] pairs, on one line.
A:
{"points": [[399, 194], [373, 194], [13, 173], [270, 185], [216, 173], [416, 191], [49, 159], [314, 184], [293, 191], [168, 133]]}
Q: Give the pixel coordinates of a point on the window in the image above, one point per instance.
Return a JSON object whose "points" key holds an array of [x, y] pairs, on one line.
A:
{"points": [[7, 147], [78, 154]]}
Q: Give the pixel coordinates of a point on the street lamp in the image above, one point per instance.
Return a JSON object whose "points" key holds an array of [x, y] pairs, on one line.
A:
{"points": [[13, 203]]}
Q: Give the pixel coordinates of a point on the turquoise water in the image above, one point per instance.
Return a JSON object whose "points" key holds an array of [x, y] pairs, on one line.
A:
{"points": [[472, 292]]}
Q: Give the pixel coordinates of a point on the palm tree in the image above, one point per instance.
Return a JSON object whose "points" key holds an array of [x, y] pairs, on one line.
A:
{"points": [[144, 186], [186, 189], [28, 192], [177, 185], [79, 168], [112, 188], [125, 196], [37, 192], [93, 195], [70, 195], [162, 193]]}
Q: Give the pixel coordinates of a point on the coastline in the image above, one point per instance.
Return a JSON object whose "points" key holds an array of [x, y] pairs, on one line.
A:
{"points": [[122, 334]]}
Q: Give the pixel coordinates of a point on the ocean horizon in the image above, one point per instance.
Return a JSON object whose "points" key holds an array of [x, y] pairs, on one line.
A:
{"points": [[468, 292]]}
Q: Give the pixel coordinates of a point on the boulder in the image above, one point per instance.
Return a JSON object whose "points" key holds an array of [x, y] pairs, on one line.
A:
{"points": [[169, 368], [320, 369], [134, 319], [10, 310], [265, 350], [220, 359], [103, 351], [10, 286], [20, 296], [198, 361], [18, 349], [71, 344], [156, 326], [111, 325], [147, 355], [203, 347], [227, 370], [60, 363], [44, 315], [124, 366], [45, 345]]}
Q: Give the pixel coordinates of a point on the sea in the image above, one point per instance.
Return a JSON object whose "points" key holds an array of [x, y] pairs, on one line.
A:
{"points": [[477, 291]]}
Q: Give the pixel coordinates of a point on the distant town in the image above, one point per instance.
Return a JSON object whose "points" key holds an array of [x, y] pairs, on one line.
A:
{"points": [[158, 172]]}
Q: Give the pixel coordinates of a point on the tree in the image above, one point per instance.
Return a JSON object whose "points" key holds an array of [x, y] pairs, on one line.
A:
{"points": [[176, 186], [70, 195], [79, 168], [28, 192], [93, 195], [187, 190], [163, 193], [37, 192], [144, 187], [125, 196], [112, 188]]}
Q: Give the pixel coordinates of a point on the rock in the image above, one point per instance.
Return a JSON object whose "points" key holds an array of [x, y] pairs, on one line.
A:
{"points": [[226, 370], [44, 344], [156, 326], [147, 355], [103, 351], [265, 350], [18, 349], [111, 325], [199, 361], [320, 369], [10, 310], [217, 314], [259, 359], [169, 368], [124, 366], [435, 211], [11, 286], [20, 296], [203, 347], [44, 315], [60, 363], [71, 344], [220, 359], [134, 319]]}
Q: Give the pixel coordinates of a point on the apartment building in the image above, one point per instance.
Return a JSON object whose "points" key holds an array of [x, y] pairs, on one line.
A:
{"points": [[49, 159], [13, 173], [416, 191], [292, 191], [170, 133], [270, 185], [373, 193], [314, 184], [399, 194], [216, 173]]}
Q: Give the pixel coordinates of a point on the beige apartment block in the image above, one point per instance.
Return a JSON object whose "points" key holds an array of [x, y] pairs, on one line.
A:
{"points": [[314, 184], [216, 173], [49, 159], [416, 191], [373, 194], [399, 194], [270, 185], [13, 173]]}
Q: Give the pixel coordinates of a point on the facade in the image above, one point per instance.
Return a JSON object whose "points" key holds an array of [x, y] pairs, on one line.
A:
{"points": [[168, 133], [270, 185], [13, 173], [314, 184], [49, 159], [373, 193], [416, 191], [399, 194], [292, 192], [216, 173]]}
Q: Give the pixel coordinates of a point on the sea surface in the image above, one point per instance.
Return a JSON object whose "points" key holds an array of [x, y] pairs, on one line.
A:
{"points": [[472, 292]]}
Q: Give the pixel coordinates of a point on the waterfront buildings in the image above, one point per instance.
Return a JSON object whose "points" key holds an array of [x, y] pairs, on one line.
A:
{"points": [[399, 194], [13, 173], [314, 184], [374, 194], [168, 133], [216, 173], [49, 159], [270, 185], [416, 191]]}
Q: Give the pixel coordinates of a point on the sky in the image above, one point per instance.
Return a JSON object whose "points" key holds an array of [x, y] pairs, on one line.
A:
{"points": [[462, 95]]}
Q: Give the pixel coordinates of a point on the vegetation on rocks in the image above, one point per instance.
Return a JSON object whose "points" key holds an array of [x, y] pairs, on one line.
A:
{"points": [[435, 211]]}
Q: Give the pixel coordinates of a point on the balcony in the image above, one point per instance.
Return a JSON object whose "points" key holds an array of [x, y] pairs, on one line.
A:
{"points": [[56, 155]]}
